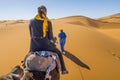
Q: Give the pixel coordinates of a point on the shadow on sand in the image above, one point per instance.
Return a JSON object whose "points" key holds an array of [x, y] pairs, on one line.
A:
{"points": [[76, 60]]}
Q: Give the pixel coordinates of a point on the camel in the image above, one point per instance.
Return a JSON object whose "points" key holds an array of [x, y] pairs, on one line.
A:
{"points": [[15, 74]]}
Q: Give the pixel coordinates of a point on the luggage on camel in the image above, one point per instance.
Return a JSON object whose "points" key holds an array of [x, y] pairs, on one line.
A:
{"points": [[42, 61]]}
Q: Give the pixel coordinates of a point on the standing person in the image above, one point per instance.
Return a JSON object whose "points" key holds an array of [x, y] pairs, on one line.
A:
{"points": [[62, 39], [41, 35]]}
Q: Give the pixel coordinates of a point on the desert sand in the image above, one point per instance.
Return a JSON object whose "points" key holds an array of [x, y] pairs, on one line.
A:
{"points": [[92, 47]]}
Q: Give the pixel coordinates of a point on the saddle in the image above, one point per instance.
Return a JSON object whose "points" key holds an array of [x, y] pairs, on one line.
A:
{"points": [[44, 61]]}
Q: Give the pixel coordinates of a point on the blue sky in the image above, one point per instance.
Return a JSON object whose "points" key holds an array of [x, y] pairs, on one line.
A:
{"points": [[26, 9]]}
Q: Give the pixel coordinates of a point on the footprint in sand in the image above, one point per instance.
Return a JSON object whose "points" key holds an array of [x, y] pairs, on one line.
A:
{"points": [[115, 55], [118, 57]]}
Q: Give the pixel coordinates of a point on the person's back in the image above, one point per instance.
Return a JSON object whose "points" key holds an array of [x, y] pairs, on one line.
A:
{"points": [[36, 26], [36, 33], [62, 35]]}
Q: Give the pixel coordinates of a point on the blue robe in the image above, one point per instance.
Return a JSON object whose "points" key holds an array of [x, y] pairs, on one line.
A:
{"points": [[62, 39]]}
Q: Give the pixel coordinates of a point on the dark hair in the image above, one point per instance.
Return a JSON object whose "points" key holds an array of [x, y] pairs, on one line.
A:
{"points": [[61, 30], [41, 9]]}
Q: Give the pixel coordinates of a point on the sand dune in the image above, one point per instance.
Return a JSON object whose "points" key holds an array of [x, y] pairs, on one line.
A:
{"points": [[112, 18], [110, 25], [81, 20], [92, 51]]}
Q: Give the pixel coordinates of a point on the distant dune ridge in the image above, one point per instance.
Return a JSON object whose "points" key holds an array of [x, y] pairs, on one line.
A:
{"points": [[82, 20], [113, 18], [92, 48]]}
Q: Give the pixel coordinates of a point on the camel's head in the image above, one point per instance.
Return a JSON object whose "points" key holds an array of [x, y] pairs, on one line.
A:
{"points": [[15, 74], [18, 71]]}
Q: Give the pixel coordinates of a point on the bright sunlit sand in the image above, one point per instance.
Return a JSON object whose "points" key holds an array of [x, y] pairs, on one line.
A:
{"points": [[92, 48]]}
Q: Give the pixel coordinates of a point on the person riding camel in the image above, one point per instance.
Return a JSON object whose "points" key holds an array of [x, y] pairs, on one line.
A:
{"points": [[42, 35]]}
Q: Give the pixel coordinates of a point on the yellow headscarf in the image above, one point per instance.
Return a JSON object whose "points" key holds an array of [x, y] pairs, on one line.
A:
{"points": [[45, 23]]}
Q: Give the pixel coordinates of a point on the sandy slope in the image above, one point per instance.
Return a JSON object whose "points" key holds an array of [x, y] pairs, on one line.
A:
{"points": [[14, 44], [94, 49], [115, 18], [87, 46]]}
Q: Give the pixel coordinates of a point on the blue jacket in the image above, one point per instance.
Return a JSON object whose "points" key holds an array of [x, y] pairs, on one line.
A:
{"points": [[62, 35]]}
